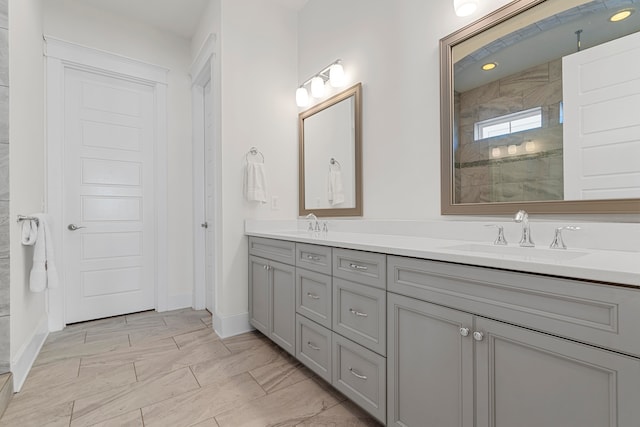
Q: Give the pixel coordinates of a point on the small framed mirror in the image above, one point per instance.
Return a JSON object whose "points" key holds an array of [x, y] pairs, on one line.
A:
{"points": [[330, 164]]}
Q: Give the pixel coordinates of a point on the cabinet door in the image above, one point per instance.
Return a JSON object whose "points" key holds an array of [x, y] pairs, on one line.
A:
{"points": [[530, 379], [430, 365], [283, 305], [259, 294]]}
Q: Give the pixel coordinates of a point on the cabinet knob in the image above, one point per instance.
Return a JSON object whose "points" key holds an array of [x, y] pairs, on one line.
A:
{"points": [[464, 332], [478, 336]]}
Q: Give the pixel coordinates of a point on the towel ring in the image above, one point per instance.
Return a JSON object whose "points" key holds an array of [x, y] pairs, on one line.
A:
{"points": [[335, 162], [254, 152]]}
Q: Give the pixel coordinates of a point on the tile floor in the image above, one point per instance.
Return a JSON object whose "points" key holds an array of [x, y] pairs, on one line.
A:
{"points": [[171, 369]]}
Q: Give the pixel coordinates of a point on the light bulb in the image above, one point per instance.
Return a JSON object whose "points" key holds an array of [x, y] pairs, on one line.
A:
{"points": [[317, 87], [512, 149], [465, 7], [336, 75], [302, 97], [495, 152]]}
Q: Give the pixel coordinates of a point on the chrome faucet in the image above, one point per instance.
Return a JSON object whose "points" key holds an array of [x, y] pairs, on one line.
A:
{"points": [[523, 217], [313, 220]]}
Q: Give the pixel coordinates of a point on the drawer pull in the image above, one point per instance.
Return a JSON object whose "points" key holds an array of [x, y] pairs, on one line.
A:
{"points": [[358, 313], [312, 296], [313, 258], [358, 267], [357, 374], [313, 347]]}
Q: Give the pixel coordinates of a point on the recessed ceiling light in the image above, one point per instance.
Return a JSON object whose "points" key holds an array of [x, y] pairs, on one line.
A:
{"points": [[489, 66], [621, 15]]}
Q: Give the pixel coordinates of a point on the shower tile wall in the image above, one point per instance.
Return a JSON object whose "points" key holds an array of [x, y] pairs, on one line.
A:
{"points": [[4, 188], [535, 175]]}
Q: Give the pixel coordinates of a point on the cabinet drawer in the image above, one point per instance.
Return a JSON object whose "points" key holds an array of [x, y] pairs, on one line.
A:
{"points": [[359, 313], [599, 314], [361, 375], [313, 346], [277, 250], [362, 267], [314, 257], [313, 296]]}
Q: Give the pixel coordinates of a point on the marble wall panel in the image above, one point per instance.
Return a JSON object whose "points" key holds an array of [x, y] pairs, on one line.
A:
{"points": [[4, 171], [4, 287], [4, 344], [4, 57], [4, 114], [4, 229], [4, 14]]}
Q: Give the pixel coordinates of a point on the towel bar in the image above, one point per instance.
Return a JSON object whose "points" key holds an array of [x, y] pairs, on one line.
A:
{"points": [[28, 218]]}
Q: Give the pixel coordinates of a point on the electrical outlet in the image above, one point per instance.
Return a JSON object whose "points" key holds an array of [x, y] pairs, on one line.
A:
{"points": [[275, 204]]}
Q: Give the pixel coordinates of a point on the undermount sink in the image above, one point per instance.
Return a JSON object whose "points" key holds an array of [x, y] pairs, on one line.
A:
{"points": [[517, 251]]}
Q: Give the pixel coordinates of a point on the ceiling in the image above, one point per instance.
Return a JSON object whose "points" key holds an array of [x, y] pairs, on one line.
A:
{"points": [[179, 17]]}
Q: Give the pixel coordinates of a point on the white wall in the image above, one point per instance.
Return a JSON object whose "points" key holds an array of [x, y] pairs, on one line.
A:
{"points": [[72, 21], [257, 52], [26, 157]]}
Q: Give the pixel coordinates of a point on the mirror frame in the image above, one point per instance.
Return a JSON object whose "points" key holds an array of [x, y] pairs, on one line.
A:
{"points": [[355, 92], [448, 207]]}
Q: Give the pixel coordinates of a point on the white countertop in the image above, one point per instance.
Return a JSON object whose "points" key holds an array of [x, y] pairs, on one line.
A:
{"points": [[610, 266]]}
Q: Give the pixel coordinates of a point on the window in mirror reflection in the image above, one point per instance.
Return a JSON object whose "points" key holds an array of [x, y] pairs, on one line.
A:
{"points": [[508, 125]]}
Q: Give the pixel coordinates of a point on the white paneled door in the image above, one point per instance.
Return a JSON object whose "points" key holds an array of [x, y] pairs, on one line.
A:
{"points": [[209, 186], [108, 188], [602, 121]]}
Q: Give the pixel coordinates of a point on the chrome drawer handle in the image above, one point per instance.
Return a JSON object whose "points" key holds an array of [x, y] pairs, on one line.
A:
{"points": [[358, 313], [358, 267], [311, 346], [313, 258], [356, 374], [312, 296]]}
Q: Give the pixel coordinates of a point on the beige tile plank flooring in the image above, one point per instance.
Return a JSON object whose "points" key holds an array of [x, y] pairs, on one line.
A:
{"points": [[171, 369]]}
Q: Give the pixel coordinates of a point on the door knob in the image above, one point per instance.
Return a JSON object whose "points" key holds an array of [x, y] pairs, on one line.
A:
{"points": [[204, 225], [478, 336], [74, 227]]}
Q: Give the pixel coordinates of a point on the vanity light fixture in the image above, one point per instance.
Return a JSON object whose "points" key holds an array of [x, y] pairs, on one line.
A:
{"points": [[621, 15], [317, 87], [489, 66], [332, 73], [465, 7], [302, 97]]}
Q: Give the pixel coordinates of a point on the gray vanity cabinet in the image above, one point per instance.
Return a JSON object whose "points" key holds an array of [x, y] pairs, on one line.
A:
{"points": [[530, 379], [272, 301], [443, 359], [429, 365], [272, 290]]}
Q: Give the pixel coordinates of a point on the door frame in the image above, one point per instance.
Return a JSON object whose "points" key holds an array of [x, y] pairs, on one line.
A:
{"points": [[204, 69], [61, 56]]}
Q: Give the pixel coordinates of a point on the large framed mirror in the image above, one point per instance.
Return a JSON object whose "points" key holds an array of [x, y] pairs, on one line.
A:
{"points": [[330, 164], [539, 109]]}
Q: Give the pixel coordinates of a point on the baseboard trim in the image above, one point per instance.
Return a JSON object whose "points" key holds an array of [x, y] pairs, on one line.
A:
{"points": [[176, 302], [229, 326], [22, 363]]}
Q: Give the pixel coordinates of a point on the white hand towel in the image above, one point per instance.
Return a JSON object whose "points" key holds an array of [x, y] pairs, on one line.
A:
{"points": [[335, 190], [43, 272], [29, 232], [255, 182]]}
